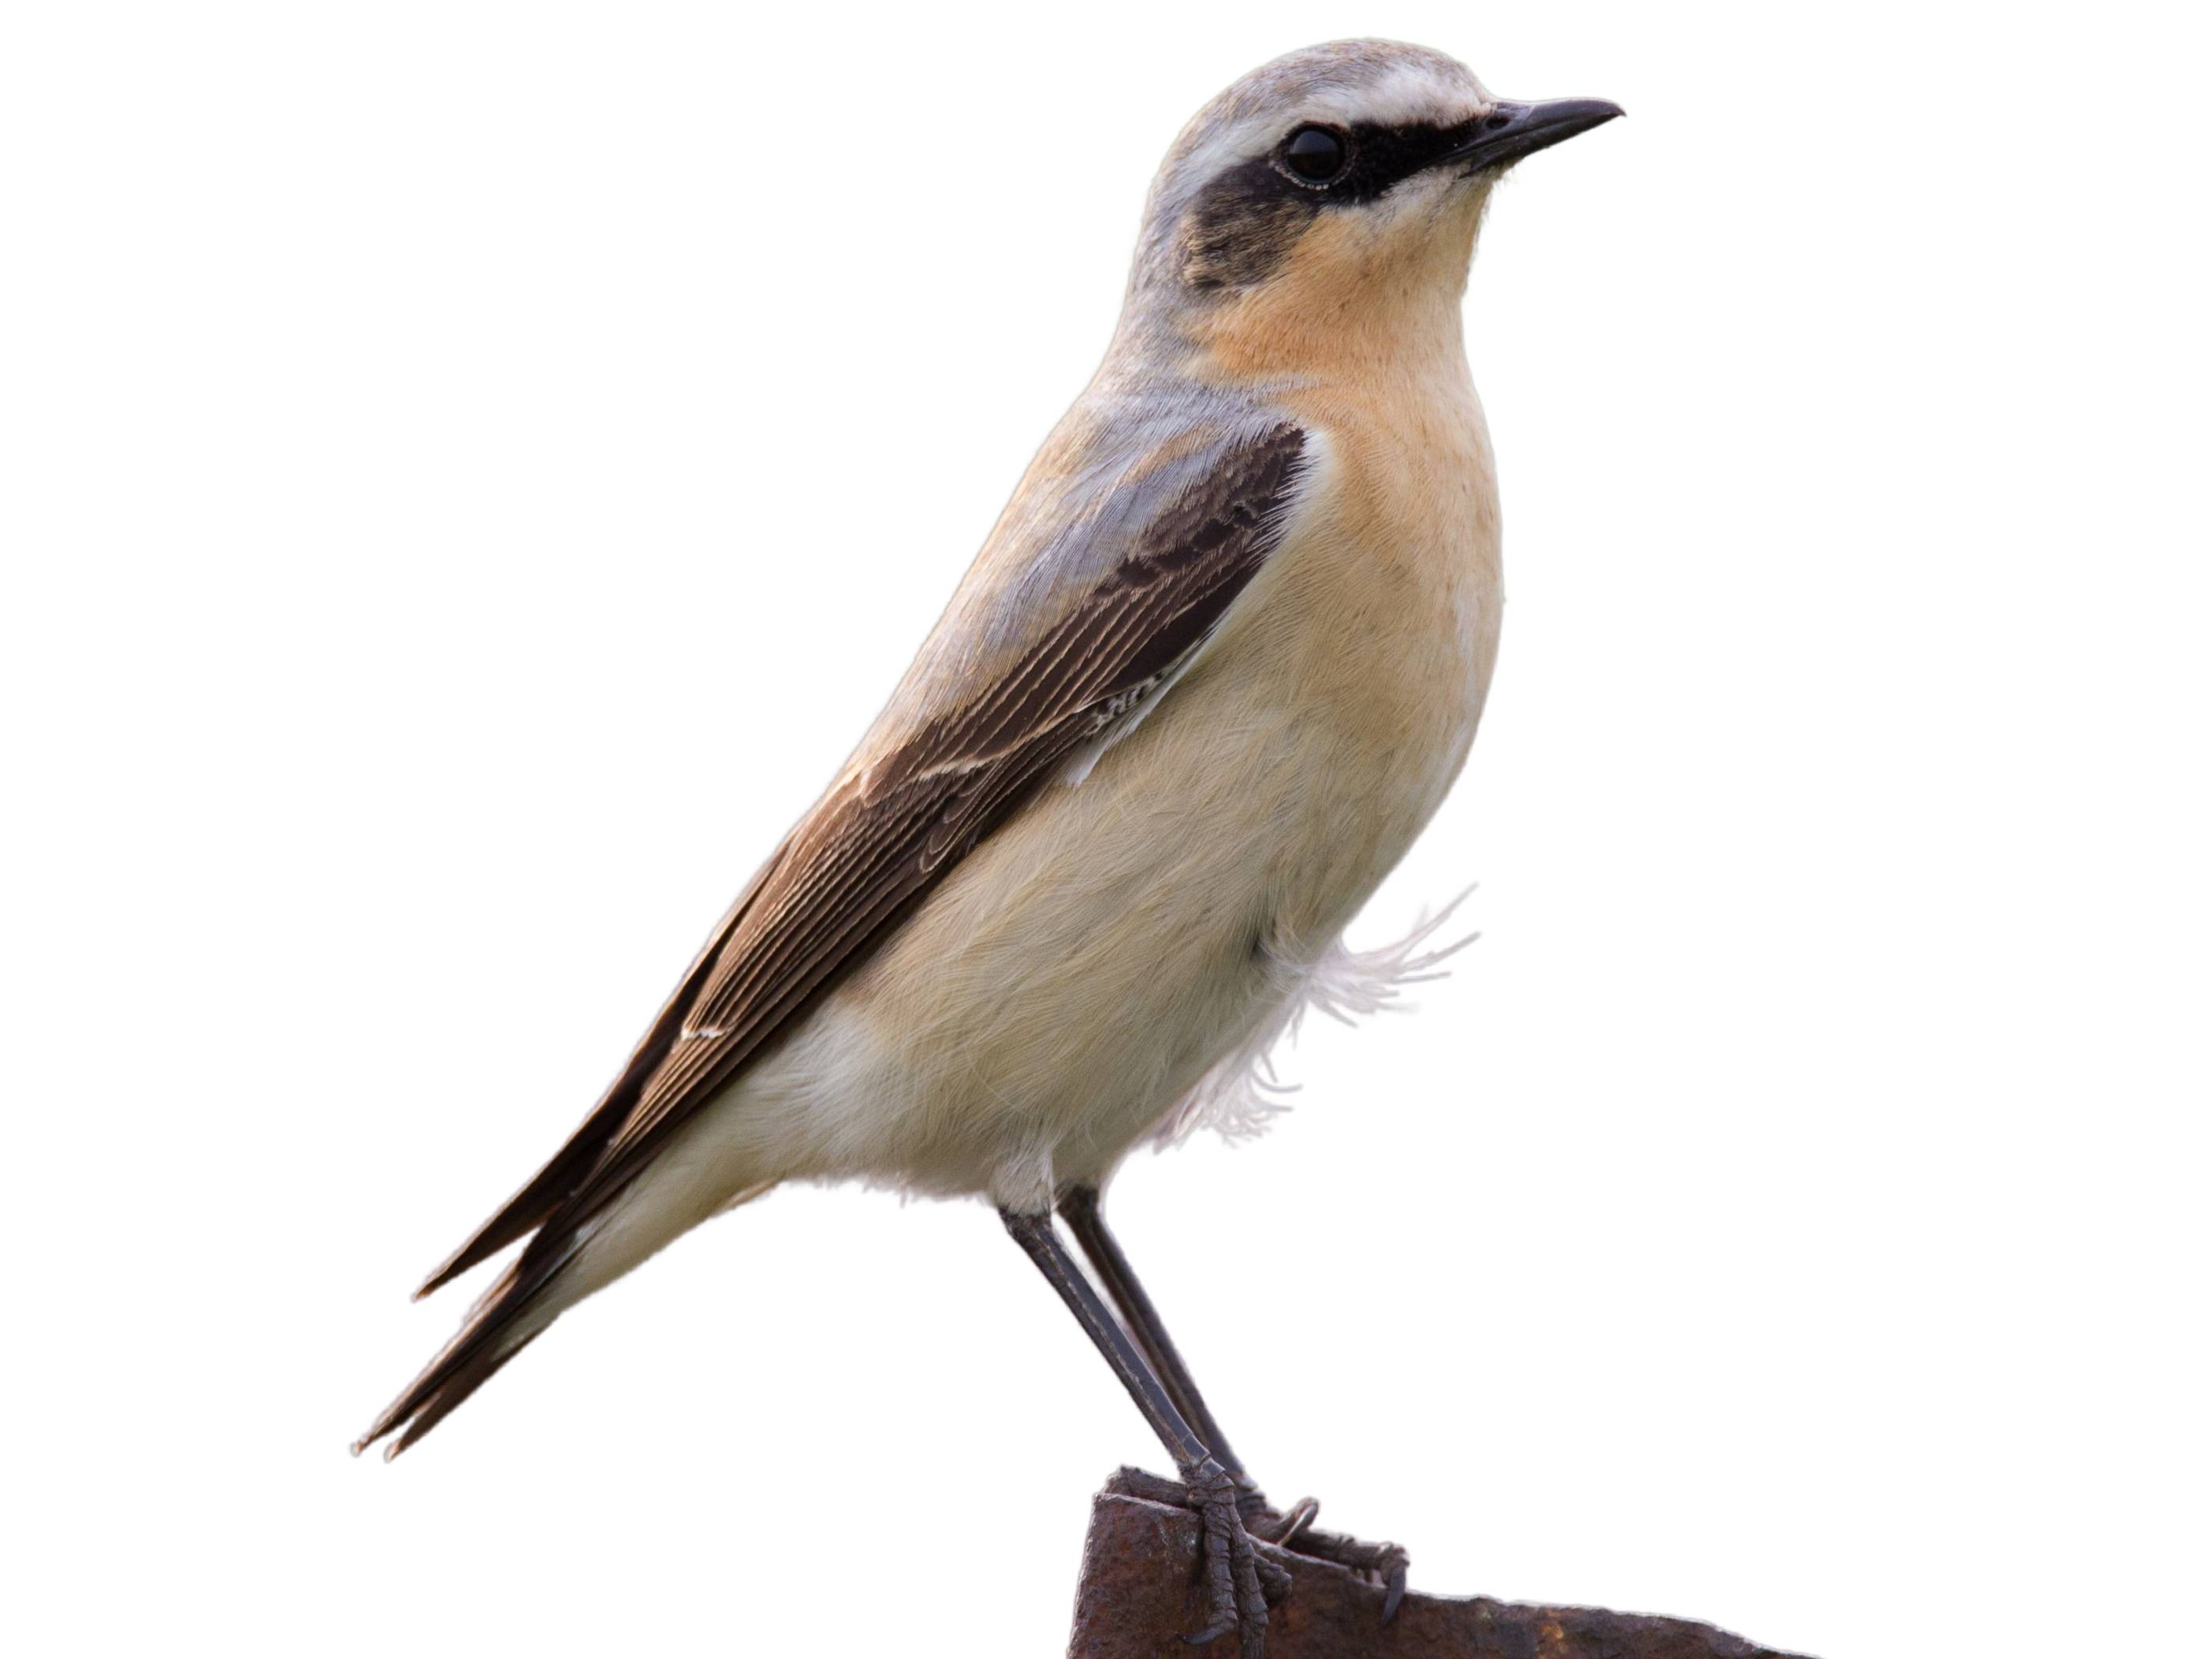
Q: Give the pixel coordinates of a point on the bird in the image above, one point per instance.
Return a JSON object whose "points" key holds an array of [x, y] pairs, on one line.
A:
{"points": [[1213, 670]]}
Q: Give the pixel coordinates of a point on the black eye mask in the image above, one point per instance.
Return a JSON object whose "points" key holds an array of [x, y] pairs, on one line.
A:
{"points": [[1246, 221]]}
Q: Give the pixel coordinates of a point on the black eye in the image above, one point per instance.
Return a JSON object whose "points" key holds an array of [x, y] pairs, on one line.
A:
{"points": [[1315, 153]]}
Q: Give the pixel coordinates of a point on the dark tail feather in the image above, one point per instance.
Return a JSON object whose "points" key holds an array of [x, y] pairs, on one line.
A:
{"points": [[464, 1383], [485, 1342], [531, 1207]]}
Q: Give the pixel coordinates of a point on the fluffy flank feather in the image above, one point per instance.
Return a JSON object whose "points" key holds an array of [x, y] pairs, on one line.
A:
{"points": [[1238, 1097]]}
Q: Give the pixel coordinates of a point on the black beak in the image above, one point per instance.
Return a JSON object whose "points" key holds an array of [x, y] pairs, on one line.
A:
{"points": [[1512, 131]]}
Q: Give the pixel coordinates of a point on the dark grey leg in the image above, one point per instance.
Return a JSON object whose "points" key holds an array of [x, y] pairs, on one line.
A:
{"points": [[1079, 1205], [1233, 1568], [1385, 1562]]}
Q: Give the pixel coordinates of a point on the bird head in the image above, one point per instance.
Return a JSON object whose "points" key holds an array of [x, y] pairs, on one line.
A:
{"points": [[1332, 194]]}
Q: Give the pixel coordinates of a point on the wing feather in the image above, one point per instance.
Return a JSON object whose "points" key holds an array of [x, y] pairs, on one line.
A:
{"points": [[977, 745], [879, 841]]}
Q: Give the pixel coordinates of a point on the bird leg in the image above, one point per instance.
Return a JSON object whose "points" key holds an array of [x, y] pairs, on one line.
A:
{"points": [[1239, 1581], [1381, 1564]]}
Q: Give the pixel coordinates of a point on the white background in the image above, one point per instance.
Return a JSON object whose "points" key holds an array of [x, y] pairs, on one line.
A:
{"points": [[470, 471]]}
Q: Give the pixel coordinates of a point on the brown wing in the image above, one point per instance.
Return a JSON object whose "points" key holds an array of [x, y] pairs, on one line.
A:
{"points": [[865, 856], [881, 838]]}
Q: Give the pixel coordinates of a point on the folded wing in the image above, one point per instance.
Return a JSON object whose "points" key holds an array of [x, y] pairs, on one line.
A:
{"points": [[955, 756]]}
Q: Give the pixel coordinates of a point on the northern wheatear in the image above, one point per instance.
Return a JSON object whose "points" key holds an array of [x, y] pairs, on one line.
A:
{"points": [[1215, 668]]}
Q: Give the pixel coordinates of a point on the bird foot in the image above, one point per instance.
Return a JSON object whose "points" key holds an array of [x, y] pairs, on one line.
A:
{"points": [[1240, 1582], [1292, 1530]]}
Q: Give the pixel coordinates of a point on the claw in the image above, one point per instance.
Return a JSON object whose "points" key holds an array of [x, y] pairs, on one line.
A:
{"points": [[1394, 1592], [1211, 1633], [1301, 1516]]}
